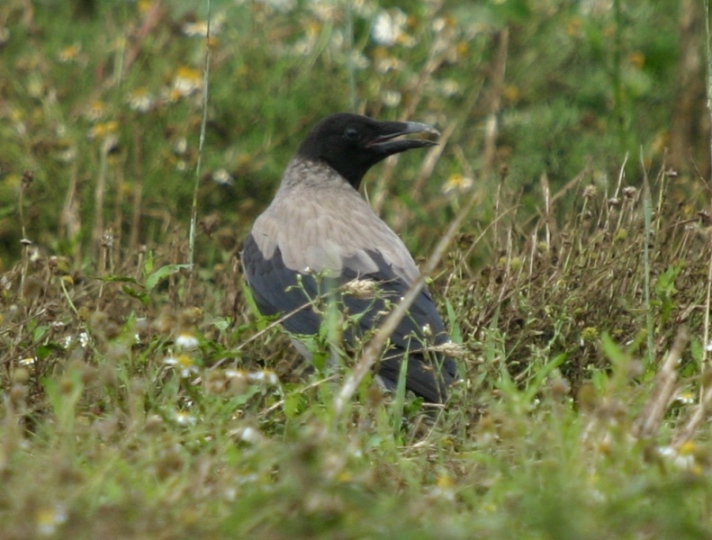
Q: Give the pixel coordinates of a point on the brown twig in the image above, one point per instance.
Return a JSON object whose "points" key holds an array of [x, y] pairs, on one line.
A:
{"points": [[699, 414], [70, 221], [648, 422], [27, 178], [137, 198], [492, 124]]}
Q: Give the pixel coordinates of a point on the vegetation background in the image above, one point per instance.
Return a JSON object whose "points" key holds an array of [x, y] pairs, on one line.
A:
{"points": [[143, 397]]}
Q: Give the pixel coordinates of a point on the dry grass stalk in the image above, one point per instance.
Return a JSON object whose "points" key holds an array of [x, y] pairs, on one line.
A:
{"points": [[708, 305], [648, 422], [100, 192], [492, 126], [688, 432], [201, 145]]}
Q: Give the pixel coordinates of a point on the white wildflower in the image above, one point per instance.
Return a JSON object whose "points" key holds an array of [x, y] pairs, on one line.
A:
{"points": [[186, 341]]}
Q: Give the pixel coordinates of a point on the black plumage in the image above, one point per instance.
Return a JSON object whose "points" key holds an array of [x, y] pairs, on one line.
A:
{"points": [[319, 225]]}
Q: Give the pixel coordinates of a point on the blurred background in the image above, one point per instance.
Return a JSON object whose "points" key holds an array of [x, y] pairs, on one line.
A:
{"points": [[101, 105]]}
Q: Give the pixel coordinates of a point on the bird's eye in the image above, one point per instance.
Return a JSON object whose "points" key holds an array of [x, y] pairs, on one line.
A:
{"points": [[352, 134]]}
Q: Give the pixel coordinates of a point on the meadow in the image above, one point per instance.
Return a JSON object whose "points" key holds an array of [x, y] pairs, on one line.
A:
{"points": [[563, 222]]}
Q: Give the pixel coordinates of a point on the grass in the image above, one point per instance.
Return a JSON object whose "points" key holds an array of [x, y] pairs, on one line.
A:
{"points": [[143, 400]]}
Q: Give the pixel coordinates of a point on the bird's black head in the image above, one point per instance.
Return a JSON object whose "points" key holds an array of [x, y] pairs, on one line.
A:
{"points": [[352, 144]]}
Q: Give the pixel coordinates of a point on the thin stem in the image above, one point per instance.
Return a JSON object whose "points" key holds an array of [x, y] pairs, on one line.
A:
{"points": [[351, 66], [201, 144], [708, 52], [647, 237]]}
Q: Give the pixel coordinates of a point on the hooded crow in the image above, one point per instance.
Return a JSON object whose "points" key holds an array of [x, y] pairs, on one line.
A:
{"points": [[319, 229]]}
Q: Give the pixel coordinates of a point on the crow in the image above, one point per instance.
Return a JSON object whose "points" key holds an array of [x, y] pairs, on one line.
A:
{"points": [[319, 235]]}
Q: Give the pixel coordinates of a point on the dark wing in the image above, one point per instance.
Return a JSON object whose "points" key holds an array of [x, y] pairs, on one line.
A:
{"points": [[428, 377], [280, 289], [276, 289], [428, 374]]}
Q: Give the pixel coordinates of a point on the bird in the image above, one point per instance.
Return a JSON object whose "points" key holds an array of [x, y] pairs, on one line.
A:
{"points": [[319, 228]]}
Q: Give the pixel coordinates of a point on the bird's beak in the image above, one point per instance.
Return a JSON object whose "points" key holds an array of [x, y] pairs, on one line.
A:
{"points": [[386, 142]]}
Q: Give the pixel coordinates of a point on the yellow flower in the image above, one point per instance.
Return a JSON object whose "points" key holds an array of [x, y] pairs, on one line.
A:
{"points": [[141, 100], [69, 54], [200, 28], [637, 59], [104, 130], [685, 397], [47, 519], [184, 363], [682, 457], [457, 182], [573, 26], [96, 110], [187, 81], [144, 6]]}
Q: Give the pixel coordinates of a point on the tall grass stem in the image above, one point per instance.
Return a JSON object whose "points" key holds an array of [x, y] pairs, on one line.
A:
{"points": [[201, 147]]}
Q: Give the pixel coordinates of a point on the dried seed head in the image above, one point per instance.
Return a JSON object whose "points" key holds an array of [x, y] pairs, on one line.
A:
{"points": [[214, 381], [27, 178], [636, 369], [237, 383], [449, 348], [33, 288], [589, 334], [107, 239], [361, 288], [98, 320], [166, 321], [18, 393], [83, 314], [59, 265], [589, 192], [630, 192], [614, 201], [141, 326], [118, 352], [248, 434], [67, 385], [586, 397], [153, 424], [20, 375], [560, 387], [190, 316], [209, 224]]}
